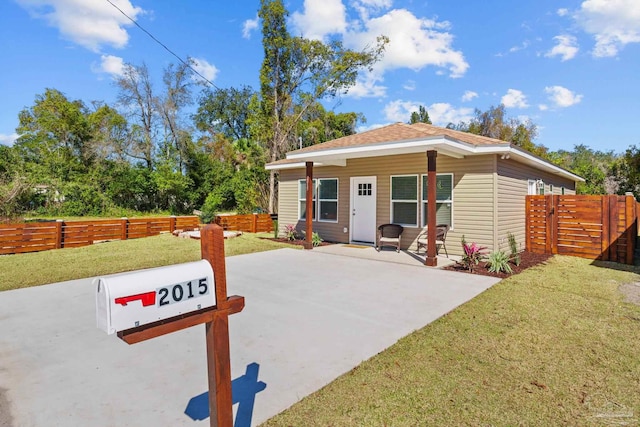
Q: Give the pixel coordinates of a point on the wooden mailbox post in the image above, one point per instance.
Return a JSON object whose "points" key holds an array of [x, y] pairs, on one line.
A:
{"points": [[215, 318]]}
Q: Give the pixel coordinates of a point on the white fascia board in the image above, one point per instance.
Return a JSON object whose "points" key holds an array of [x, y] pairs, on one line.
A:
{"points": [[542, 164], [298, 165], [446, 145]]}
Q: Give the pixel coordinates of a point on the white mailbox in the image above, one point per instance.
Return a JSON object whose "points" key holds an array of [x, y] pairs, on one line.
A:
{"points": [[128, 300]]}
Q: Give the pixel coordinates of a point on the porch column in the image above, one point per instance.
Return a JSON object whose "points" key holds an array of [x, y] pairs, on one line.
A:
{"points": [[309, 201], [432, 259]]}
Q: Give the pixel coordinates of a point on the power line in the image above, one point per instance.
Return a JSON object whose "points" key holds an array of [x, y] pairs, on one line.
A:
{"points": [[163, 45]]}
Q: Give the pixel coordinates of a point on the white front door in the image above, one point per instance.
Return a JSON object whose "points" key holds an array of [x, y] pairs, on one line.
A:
{"points": [[363, 209]]}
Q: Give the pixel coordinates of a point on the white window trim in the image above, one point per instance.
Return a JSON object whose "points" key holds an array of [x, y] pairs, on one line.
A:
{"points": [[416, 200], [314, 183], [422, 220], [316, 192], [319, 200], [531, 183]]}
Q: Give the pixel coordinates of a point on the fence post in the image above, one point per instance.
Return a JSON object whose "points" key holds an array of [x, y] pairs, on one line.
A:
{"points": [[554, 223], [123, 228], [630, 227], [527, 223], [254, 223], [172, 224], [59, 240], [548, 224], [604, 247]]}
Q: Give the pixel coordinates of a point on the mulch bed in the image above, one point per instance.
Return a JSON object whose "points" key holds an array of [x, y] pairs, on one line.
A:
{"points": [[293, 242], [528, 259]]}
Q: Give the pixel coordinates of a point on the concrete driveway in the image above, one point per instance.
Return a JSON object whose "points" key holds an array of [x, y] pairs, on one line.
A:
{"points": [[309, 317]]}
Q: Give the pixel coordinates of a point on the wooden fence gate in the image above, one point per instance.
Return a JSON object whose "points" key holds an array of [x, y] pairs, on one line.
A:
{"points": [[594, 227]]}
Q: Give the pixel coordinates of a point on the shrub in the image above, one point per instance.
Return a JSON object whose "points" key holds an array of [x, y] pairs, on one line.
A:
{"points": [[513, 246], [290, 231], [498, 261], [473, 254], [316, 239], [210, 207]]}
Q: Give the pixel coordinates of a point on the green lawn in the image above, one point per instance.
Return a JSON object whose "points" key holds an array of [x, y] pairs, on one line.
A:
{"points": [[38, 268], [555, 345]]}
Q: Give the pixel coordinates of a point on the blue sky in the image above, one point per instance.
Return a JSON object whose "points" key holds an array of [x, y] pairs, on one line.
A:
{"points": [[572, 67]]}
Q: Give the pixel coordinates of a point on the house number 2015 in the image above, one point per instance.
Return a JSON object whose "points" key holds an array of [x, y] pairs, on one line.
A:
{"points": [[182, 291]]}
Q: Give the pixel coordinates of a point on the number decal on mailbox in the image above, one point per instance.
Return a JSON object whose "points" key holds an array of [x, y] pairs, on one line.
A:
{"points": [[182, 291]]}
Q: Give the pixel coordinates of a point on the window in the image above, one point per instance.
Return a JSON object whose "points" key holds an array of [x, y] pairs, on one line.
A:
{"points": [[328, 200], [550, 188], [562, 190], [444, 199], [325, 200], [404, 200], [302, 199], [536, 187]]}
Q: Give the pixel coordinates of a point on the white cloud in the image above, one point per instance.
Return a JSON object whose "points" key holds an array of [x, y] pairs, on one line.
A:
{"points": [[562, 12], [543, 107], [441, 114], [514, 99], [209, 71], [469, 95], [525, 44], [320, 18], [88, 23], [409, 85], [367, 86], [613, 23], [8, 139], [567, 47], [414, 42], [562, 97], [109, 64], [399, 110], [249, 26]]}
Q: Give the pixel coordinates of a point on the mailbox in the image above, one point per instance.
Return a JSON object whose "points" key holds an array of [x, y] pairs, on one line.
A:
{"points": [[128, 300]]}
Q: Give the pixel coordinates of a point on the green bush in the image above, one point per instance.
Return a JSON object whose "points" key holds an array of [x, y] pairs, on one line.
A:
{"points": [[316, 239], [211, 206], [498, 261]]}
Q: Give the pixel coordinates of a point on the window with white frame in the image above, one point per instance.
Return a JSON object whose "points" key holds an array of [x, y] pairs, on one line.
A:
{"points": [[302, 199], [536, 187], [325, 200], [444, 199], [328, 199], [404, 200]]}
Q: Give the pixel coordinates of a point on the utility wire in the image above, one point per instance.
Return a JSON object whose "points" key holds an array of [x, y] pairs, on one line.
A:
{"points": [[163, 45]]}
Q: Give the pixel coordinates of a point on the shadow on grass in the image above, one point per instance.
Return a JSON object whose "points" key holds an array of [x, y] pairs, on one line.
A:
{"points": [[616, 266]]}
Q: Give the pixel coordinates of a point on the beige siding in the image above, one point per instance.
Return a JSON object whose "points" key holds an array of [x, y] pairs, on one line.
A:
{"points": [[473, 205], [512, 188]]}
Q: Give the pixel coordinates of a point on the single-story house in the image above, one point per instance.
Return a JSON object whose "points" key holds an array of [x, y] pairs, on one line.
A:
{"points": [[381, 176]]}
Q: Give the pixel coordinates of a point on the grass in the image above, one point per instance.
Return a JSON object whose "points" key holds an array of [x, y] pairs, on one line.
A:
{"points": [[554, 345], [39, 268]]}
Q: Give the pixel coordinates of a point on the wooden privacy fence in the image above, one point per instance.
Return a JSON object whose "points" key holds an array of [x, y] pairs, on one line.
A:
{"points": [[250, 223], [594, 227], [42, 236]]}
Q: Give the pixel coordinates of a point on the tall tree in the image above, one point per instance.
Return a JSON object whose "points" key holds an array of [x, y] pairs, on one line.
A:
{"points": [[137, 97], [494, 123], [420, 116], [53, 136], [295, 74], [176, 96]]}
